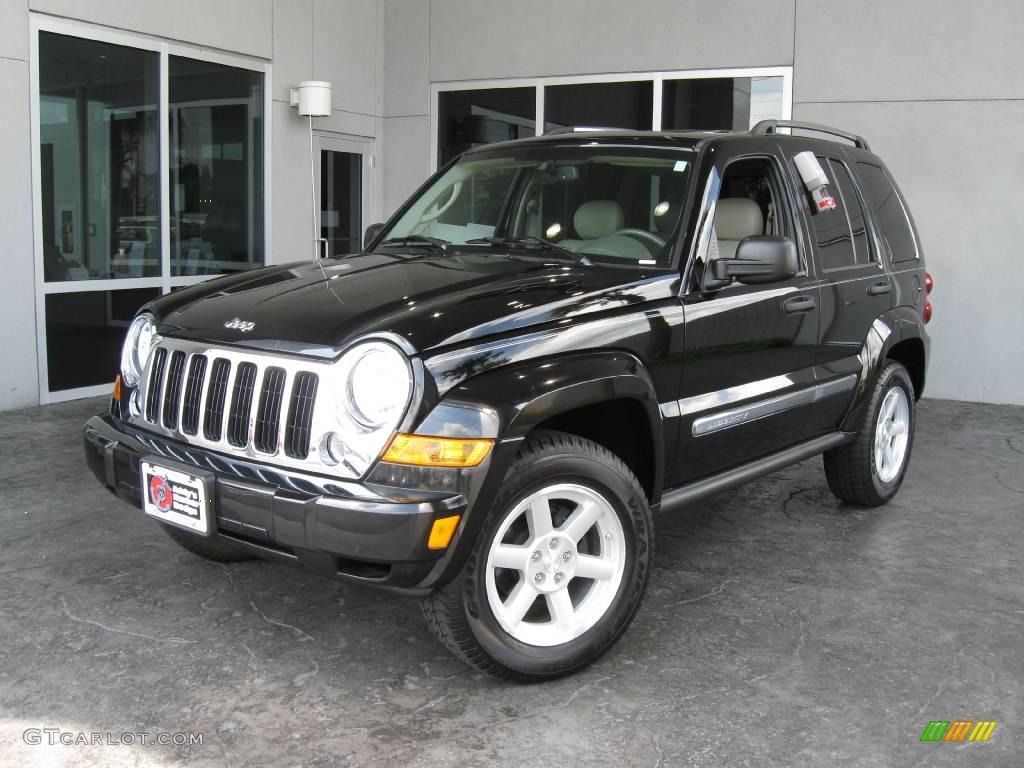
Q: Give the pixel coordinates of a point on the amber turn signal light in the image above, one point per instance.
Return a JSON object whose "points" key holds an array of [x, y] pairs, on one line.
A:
{"points": [[117, 387], [437, 451], [441, 532]]}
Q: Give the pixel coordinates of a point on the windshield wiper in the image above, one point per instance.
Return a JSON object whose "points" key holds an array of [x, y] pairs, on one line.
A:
{"points": [[417, 240], [534, 243]]}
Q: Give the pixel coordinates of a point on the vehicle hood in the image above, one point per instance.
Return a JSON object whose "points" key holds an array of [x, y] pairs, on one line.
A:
{"points": [[432, 301]]}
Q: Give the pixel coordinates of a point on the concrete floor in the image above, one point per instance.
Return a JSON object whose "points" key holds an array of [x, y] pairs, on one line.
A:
{"points": [[780, 629]]}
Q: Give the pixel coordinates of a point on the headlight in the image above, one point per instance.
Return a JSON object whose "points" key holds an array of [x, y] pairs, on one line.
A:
{"points": [[378, 385], [137, 346], [374, 385]]}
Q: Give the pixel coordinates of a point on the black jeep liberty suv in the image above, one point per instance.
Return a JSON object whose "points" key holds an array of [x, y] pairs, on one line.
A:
{"points": [[553, 340]]}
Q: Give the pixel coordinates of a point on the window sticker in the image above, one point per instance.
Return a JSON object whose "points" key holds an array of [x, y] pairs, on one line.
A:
{"points": [[815, 181]]}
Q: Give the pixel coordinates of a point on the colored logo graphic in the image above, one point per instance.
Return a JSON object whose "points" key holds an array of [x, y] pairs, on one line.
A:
{"points": [[160, 493], [958, 730]]}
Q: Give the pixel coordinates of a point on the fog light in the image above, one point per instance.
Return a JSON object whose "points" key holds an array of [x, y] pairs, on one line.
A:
{"points": [[135, 403], [332, 449], [437, 451]]}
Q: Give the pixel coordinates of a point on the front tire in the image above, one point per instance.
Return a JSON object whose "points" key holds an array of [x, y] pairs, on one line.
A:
{"points": [[869, 471], [559, 569]]}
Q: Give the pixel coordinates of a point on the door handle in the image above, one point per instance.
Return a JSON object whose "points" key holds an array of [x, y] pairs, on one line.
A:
{"points": [[799, 304], [880, 288]]}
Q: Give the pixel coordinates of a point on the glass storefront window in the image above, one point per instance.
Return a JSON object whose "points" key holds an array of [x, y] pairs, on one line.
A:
{"points": [[729, 103], [84, 332], [127, 129], [99, 159], [603, 105], [216, 165], [472, 118]]}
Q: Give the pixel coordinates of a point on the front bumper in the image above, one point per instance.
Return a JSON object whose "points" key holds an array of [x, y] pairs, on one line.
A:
{"points": [[342, 530]]}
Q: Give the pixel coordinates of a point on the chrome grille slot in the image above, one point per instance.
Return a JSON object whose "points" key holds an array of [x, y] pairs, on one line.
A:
{"points": [[241, 405], [193, 394], [216, 396], [172, 390], [298, 427], [156, 384], [268, 411]]}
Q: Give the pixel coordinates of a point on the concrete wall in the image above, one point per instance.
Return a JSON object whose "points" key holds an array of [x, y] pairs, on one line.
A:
{"points": [[19, 382], [937, 93], [940, 97]]}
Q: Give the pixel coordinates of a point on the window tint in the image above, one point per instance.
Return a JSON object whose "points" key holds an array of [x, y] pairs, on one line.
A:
{"points": [[468, 119], [832, 229], [607, 105], [99, 159], [889, 212], [736, 103], [854, 212], [216, 166]]}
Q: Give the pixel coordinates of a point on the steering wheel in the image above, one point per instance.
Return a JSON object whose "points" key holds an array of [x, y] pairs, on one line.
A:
{"points": [[648, 238], [456, 188]]}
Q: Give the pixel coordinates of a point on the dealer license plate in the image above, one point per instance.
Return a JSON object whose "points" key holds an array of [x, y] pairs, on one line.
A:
{"points": [[176, 497]]}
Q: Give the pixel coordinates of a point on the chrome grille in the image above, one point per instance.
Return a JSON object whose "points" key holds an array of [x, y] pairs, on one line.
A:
{"points": [[268, 412], [241, 405], [300, 415], [193, 393], [156, 384], [250, 404], [216, 395], [172, 389]]}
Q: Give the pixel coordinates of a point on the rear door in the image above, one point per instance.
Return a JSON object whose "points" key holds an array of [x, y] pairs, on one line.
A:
{"points": [[748, 383], [856, 288]]}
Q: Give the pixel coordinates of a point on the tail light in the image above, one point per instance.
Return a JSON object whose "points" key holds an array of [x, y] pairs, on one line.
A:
{"points": [[928, 285]]}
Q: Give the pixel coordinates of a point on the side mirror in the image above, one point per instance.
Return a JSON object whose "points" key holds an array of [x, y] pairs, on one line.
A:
{"points": [[759, 259], [371, 234]]}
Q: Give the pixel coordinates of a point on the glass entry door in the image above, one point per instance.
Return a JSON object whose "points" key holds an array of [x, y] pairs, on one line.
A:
{"points": [[343, 192]]}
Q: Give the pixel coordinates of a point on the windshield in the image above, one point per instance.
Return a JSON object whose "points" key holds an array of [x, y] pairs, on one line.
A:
{"points": [[601, 203]]}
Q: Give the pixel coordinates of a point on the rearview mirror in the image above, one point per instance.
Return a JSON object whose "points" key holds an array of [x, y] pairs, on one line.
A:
{"points": [[371, 234], [759, 259]]}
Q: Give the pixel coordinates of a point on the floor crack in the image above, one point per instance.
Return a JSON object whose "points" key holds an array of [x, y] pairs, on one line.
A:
{"points": [[789, 500], [299, 633], [1007, 487], [76, 619]]}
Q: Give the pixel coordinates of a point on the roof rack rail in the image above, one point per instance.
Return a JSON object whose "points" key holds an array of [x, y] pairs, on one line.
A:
{"points": [[772, 126]]}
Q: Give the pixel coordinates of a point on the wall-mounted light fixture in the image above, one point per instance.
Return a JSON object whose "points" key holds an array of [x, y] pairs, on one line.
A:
{"points": [[313, 98]]}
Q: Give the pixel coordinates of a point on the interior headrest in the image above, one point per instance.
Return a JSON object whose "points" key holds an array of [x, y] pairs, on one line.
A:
{"points": [[598, 218], [737, 218]]}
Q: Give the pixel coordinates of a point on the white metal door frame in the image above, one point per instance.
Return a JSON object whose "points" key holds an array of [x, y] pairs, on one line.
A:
{"points": [[356, 145]]}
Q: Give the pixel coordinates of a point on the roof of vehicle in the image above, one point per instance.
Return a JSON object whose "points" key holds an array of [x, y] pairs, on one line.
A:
{"points": [[684, 139]]}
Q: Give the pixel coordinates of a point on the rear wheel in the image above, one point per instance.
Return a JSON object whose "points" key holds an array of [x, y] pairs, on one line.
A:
{"points": [[212, 549], [559, 569], [869, 471]]}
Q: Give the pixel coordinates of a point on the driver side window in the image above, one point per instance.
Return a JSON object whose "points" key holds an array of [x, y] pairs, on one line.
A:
{"points": [[750, 203]]}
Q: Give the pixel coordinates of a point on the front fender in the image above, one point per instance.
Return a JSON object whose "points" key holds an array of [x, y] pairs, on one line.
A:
{"points": [[508, 402]]}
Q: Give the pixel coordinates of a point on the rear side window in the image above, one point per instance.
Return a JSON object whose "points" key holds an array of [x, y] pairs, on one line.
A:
{"points": [[836, 247], [854, 212], [889, 212]]}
